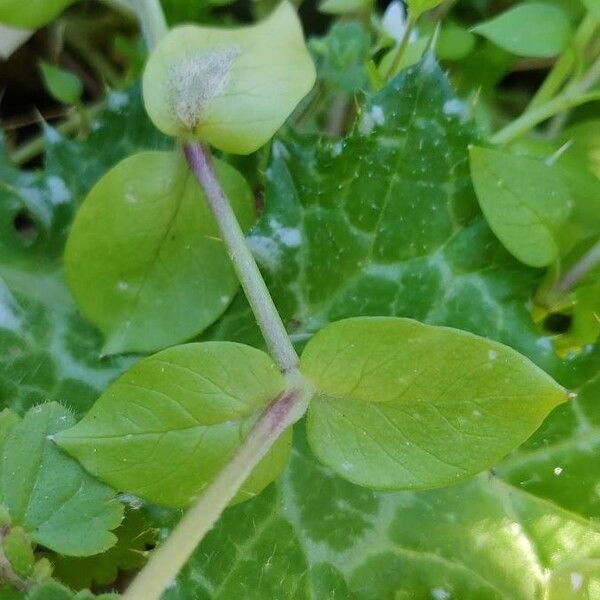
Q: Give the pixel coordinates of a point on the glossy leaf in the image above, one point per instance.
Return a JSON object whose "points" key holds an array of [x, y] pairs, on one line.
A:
{"points": [[144, 257], [231, 88], [167, 426], [529, 29], [525, 202], [31, 14], [401, 405], [47, 493], [480, 540]]}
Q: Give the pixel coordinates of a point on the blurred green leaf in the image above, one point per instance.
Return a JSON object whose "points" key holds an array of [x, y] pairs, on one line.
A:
{"points": [[62, 85], [529, 29], [524, 200]]}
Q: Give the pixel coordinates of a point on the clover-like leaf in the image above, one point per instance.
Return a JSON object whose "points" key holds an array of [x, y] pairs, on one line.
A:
{"points": [[525, 202], [129, 553], [32, 13], [231, 88], [400, 404], [165, 428], [529, 29], [144, 259], [46, 492]]}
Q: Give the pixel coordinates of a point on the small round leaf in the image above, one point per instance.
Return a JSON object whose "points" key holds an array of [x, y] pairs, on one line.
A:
{"points": [[404, 405], [231, 88], [144, 258], [165, 428]]}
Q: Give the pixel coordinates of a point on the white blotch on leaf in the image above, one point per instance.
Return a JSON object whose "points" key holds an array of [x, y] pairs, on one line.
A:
{"points": [[117, 100], [266, 251], [370, 118], [10, 312], [492, 355], [197, 79], [576, 581], [59, 193], [122, 286], [440, 594], [456, 107], [558, 471]]}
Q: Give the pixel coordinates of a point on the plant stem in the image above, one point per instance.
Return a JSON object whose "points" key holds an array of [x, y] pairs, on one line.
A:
{"points": [[166, 562], [152, 18], [573, 95], [395, 64], [35, 146], [579, 271], [269, 321], [565, 64]]}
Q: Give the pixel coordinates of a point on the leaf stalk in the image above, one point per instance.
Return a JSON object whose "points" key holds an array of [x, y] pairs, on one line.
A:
{"points": [[166, 562], [253, 284]]}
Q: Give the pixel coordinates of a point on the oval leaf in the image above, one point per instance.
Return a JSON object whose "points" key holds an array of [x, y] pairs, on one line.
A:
{"points": [[525, 202], [32, 13], [232, 88], [144, 259], [530, 29], [46, 492], [401, 405], [165, 428]]}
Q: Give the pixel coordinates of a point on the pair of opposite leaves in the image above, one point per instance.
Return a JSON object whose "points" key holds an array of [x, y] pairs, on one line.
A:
{"points": [[144, 259], [397, 405]]}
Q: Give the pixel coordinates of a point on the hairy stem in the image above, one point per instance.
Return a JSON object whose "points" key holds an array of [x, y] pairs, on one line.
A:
{"points": [[166, 562], [269, 321]]}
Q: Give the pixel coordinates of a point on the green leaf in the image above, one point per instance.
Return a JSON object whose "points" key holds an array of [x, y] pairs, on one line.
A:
{"points": [[144, 258], [367, 225], [400, 404], [342, 55], [52, 590], [17, 549], [593, 6], [314, 535], [31, 14], [166, 427], [134, 536], [417, 7], [47, 493], [345, 7], [529, 29], [47, 350], [231, 88], [455, 42], [62, 85], [525, 201]]}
